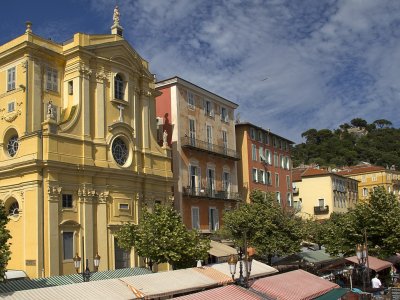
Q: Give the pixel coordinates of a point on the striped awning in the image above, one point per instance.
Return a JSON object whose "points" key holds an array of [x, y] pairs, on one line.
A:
{"points": [[170, 283], [334, 294], [258, 269], [295, 285], [26, 284], [221, 250], [230, 292], [375, 264], [214, 274]]}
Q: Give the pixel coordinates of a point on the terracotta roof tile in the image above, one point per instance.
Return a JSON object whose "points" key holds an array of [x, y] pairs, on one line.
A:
{"points": [[361, 170]]}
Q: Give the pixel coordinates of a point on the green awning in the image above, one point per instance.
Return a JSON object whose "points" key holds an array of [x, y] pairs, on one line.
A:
{"points": [[333, 294], [37, 283]]}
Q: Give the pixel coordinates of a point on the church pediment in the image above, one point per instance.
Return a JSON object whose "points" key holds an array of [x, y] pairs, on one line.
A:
{"points": [[121, 52]]}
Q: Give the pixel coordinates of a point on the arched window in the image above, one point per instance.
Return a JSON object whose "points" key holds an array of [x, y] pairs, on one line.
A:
{"points": [[13, 210], [118, 87]]}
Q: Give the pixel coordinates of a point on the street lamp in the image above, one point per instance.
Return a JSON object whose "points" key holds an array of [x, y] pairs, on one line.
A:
{"points": [[361, 252], [86, 273], [349, 273], [232, 262]]}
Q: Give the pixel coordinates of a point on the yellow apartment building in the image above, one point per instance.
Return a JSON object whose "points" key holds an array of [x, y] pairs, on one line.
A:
{"points": [[369, 177], [317, 193], [78, 153]]}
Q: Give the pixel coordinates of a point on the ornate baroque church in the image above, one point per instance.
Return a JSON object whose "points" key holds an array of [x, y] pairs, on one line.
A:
{"points": [[78, 149]]}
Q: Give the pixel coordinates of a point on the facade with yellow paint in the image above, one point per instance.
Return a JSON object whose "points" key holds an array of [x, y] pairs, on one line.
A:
{"points": [[317, 193], [370, 177], [78, 153]]}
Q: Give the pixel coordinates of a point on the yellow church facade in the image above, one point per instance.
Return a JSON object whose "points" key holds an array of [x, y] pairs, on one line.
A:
{"points": [[78, 154]]}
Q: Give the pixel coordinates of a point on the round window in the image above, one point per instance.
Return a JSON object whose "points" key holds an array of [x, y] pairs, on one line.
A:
{"points": [[12, 145], [119, 151], [13, 210]]}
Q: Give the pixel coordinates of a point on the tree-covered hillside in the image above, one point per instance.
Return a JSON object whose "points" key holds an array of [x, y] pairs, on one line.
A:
{"points": [[377, 143]]}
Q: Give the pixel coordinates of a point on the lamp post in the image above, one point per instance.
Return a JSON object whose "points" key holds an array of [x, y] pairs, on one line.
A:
{"points": [[86, 273], [361, 252], [232, 262], [349, 274]]}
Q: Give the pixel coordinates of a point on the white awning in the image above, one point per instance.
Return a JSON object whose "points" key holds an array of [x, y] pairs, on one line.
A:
{"points": [[221, 250]]}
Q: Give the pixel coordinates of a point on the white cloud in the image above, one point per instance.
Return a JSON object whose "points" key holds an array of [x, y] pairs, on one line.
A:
{"points": [[326, 62]]}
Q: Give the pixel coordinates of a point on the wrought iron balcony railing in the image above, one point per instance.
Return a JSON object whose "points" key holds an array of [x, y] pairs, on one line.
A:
{"points": [[188, 142], [210, 193], [321, 210]]}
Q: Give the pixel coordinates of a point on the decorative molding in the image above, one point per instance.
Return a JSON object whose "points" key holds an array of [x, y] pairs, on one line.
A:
{"points": [[102, 75], [54, 192], [12, 92], [103, 196], [86, 193], [85, 70], [24, 66], [145, 93], [11, 116]]}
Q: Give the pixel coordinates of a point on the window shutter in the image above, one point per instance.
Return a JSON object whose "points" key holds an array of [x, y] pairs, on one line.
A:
{"points": [[199, 178], [216, 219]]}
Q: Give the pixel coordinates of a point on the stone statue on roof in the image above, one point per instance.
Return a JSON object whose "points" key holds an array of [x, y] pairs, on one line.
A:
{"points": [[116, 15]]}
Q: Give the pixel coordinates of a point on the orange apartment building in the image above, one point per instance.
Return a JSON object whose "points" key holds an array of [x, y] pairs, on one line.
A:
{"points": [[265, 164], [199, 127]]}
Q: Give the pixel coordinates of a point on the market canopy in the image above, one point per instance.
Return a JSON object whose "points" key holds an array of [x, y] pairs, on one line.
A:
{"points": [[334, 294], [230, 292], [294, 285], [258, 269], [375, 263], [220, 250], [318, 256]]}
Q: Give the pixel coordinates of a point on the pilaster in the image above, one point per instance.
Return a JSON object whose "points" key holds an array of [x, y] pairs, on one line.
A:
{"points": [[53, 241], [102, 231], [87, 195]]}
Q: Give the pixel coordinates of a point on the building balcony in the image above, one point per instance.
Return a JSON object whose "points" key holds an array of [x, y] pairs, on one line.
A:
{"points": [[321, 210], [204, 146], [210, 193]]}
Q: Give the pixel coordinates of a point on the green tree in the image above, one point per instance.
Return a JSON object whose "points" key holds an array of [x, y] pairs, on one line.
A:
{"points": [[382, 123], [162, 237], [379, 216], [269, 228], [5, 252], [315, 231], [358, 122], [380, 146]]}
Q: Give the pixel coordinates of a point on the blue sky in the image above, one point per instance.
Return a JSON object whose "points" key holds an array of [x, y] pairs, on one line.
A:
{"points": [[290, 65]]}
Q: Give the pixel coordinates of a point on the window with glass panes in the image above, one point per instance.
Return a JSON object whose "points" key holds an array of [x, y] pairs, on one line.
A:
{"points": [[52, 79], [67, 201], [11, 79]]}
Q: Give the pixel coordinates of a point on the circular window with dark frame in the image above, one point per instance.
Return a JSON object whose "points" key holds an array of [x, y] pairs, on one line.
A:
{"points": [[120, 151], [12, 145], [13, 210]]}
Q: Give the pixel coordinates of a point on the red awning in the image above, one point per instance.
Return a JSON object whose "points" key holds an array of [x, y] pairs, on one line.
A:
{"points": [[375, 264], [230, 292], [295, 285]]}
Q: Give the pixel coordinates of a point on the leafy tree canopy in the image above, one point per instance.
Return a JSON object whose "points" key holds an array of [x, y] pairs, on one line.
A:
{"points": [[269, 228], [162, 237], [378, 144], [379, 216], [381, 123], [358, 122], [5, 252]]}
